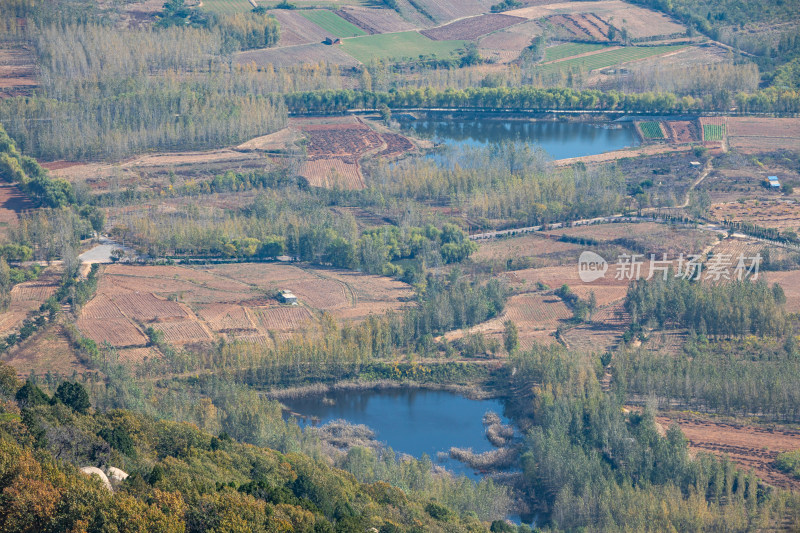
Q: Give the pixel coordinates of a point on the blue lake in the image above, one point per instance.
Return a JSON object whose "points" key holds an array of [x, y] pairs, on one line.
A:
{"points": [[411, 421], [560, 139]]}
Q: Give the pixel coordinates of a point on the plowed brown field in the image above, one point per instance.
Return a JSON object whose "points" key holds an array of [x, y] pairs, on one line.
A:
{"points": [[750, 447]]}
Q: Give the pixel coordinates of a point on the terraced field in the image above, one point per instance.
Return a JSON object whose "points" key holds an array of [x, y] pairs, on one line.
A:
{"points": [[199, 305], [472, 28]]}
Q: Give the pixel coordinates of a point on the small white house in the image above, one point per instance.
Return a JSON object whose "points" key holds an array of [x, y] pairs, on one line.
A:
{"points": [[288, 297]]}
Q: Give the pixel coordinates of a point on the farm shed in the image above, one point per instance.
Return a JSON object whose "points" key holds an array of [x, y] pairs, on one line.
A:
{"points": [[288, 297]]}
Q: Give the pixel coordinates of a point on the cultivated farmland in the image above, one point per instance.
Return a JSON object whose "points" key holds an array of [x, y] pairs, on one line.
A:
{"points": [[397, 46], [651, 130], [713, 132], [753, 135], [48, 351], [471, 28], [373, 20], [335, 147], [227, 7], [536, 315], [446, 10], [12, 203], [227, 301], [297, 29], [563, 51], [750, 447], [640, 23], [682, 131], [333, 23], [790, 282], [769, 213], [290, 56], [608, 58], [27, 297], [17, 70]]}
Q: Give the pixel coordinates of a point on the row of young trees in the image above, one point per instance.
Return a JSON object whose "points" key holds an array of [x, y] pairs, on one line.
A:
{"points": [[745, 377], [529, 98]]}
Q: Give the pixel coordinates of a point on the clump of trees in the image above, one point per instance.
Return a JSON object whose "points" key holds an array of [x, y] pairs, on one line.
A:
{"points": [[725, 309]]}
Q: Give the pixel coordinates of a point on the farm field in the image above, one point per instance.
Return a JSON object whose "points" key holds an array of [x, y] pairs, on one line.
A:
{"points": [[607, 289], [769, 213], [17, 70], [508, 43], [373, 20], [293, 55], [750, 447], [651, 130], [47, 351], [537, 249], [336, 145], [446, 10], [713, 132], [227, 7], [645, 237], [471, 28], [682, 131], [198, 305], [333, 23], [790, 281], [536, 315], [594, 337], [641, 23], [581, 26], [12, 203], [297, 29], [396, 46], [27, 297], [753, 135], [563, 51], [608, 58]]}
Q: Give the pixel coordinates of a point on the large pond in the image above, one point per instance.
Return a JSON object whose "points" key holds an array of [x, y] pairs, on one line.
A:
{"points": [[410, 421], [560, 139]]}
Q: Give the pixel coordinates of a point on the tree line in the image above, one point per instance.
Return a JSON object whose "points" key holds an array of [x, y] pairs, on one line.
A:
{"points": [[784, 101]]}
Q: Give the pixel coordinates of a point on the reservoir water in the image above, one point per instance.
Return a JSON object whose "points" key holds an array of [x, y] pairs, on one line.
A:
{"points": [[411, 421], [560, 139]]}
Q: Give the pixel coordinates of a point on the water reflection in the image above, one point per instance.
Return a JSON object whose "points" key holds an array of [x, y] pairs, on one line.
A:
{"points": [[560, 139]]}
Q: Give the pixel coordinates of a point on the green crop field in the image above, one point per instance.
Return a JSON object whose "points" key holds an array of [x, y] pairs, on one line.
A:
{"points": [[398, 46], [227, 7], [333, 23], [713, 132], [570, 49], [651, 130], [608, 59]]}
